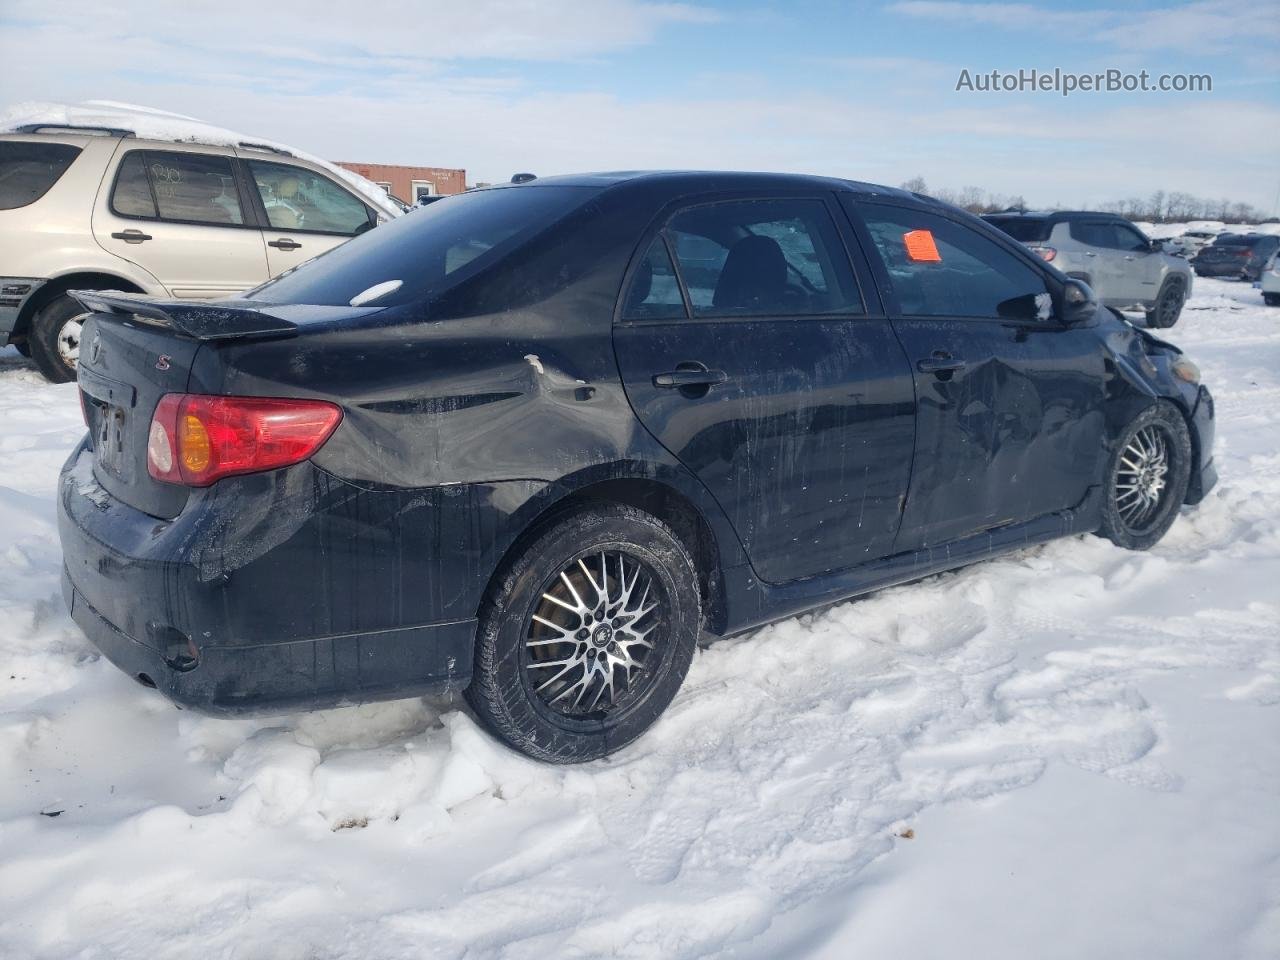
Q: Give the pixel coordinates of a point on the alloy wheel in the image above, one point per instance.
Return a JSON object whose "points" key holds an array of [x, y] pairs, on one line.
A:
{"points": [[1142, 478], [594, 635]]}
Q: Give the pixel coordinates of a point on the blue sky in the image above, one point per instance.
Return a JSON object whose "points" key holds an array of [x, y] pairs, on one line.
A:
{"points": [[865, 90]]}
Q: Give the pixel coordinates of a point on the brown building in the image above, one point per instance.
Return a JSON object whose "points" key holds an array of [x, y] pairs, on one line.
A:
{"points": [[409, 183]]}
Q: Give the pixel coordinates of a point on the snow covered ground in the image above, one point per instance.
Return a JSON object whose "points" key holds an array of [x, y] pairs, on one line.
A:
{"points": [[1070, 752]]}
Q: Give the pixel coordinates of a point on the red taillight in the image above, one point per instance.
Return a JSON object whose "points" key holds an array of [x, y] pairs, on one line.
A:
{"points": [[1243, 253], [1044, 253], [196, 440]]}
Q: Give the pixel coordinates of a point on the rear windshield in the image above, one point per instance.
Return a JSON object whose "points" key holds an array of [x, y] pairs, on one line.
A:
{"points": [[1023, 229], [428, 249], [28, 170], [1235, 240]]}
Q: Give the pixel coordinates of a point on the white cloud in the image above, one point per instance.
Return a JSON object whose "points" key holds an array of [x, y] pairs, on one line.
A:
{"points": [[399, 91]]}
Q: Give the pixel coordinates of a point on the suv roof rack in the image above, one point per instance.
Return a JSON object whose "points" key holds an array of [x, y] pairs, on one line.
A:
{"points": [[249, 145], [74, 128]]}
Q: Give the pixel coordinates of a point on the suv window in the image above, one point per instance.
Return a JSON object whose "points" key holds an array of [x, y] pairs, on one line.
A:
{"points": [[298, 199], [763, 258], [184, 187], [1128, 238], [1094, 233], [940, 268], [28, 170], [1023, 229], [655, 291]]}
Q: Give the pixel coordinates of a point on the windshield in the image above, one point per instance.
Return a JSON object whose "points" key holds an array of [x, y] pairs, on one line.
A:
{"points": [[426, 251], [1023, 229]]}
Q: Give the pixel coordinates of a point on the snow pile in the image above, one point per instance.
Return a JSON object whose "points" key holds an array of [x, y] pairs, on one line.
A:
{"points": [[152, 124], [1070, 751]]}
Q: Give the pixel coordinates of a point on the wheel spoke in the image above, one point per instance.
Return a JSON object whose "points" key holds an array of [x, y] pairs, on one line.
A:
{"points": [[593, 657]]}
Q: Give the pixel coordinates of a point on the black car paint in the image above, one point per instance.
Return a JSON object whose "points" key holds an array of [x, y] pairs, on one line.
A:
{"points": [[470, 418], [1235, 255]]}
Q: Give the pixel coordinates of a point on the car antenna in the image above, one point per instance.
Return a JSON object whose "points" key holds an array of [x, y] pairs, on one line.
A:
{"points": [[523, 177]]}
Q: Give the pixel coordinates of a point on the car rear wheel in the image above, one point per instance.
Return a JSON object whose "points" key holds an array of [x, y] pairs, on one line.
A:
{"points": [[1147, 478], [55, 338], [1168, 305], [586, 637]]}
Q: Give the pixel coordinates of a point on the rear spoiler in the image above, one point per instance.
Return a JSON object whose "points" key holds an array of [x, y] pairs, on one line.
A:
{"points": [[202, 319]]}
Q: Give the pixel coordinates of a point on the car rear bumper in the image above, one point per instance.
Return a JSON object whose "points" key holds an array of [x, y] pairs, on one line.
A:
{"points": [[192, 607], [1223, 269]]}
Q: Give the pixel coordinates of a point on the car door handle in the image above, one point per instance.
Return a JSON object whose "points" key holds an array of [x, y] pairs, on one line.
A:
{"points": [[939, 363], [1129, 256], [131, 236], [284, 243], [689, 378], [1090, 253]]}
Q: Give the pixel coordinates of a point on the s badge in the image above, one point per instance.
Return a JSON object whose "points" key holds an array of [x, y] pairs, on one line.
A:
{"points": [[162, 362]]}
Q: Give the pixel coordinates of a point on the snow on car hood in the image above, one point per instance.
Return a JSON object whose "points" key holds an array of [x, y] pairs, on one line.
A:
{"points": [[152, 124]]}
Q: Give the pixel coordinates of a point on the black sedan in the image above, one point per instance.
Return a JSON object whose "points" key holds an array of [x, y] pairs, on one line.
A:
{"points": [[1240, 255], [535, 442]]}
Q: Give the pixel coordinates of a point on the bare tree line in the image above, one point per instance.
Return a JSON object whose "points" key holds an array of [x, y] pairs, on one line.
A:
{"points": [[1160, 207]]}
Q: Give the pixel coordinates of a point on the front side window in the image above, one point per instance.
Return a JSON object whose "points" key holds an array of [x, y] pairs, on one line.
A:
{"points": [[654, 293], [763, 258], [298, 199], [184, 187], [940, 268], [28, 170], [1128, 238]]}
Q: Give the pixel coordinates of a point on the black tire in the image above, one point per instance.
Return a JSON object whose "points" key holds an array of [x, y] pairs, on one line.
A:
{"points": [[23, 348], [1139, 524], [46, 328], [1271, 299], [1168, 305], [515, 652]]}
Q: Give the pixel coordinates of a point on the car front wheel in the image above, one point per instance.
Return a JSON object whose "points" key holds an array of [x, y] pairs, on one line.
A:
{"points": [[1147, 478], [585, 638], [1168, 305]]}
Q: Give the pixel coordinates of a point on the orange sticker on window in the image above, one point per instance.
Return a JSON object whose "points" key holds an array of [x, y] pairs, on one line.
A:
{"points": [[920, 247]]}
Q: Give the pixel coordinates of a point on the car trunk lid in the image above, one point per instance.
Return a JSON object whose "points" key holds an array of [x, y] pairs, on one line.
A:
{"points": [[134, 350]]}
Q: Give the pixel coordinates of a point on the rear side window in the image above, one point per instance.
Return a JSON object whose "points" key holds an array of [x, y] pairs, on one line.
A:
{"points": [[184, 187], [654, 293], [940, 268], [28, 170], [1023, 229], [298, 199], [428, 250], [763, 258], [1094, 233]]}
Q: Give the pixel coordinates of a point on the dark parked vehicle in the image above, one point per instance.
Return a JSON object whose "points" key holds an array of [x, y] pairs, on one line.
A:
{"points": [[1241, 255], [536, 441]]}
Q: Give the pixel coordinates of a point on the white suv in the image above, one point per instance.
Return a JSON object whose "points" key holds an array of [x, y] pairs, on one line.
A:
{"points": [[98, 208]]}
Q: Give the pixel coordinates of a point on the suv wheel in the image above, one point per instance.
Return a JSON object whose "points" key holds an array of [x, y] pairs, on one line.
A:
{"points": [[1168, 305], [1147, 478], [587, 636], [55, 338]]}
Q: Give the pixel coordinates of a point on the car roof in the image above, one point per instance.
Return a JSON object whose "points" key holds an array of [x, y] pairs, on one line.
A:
{"points": [[77, 133], [1058, 216], [705, 180]]}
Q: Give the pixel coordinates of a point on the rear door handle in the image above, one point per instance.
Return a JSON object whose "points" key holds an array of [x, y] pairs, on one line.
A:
{"points": [[131, 236], [284, 243], [939, 363], [689, 378]]}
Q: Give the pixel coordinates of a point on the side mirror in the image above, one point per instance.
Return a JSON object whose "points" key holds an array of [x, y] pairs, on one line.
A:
{"points": [[1155, 246], [1078, 302]]}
